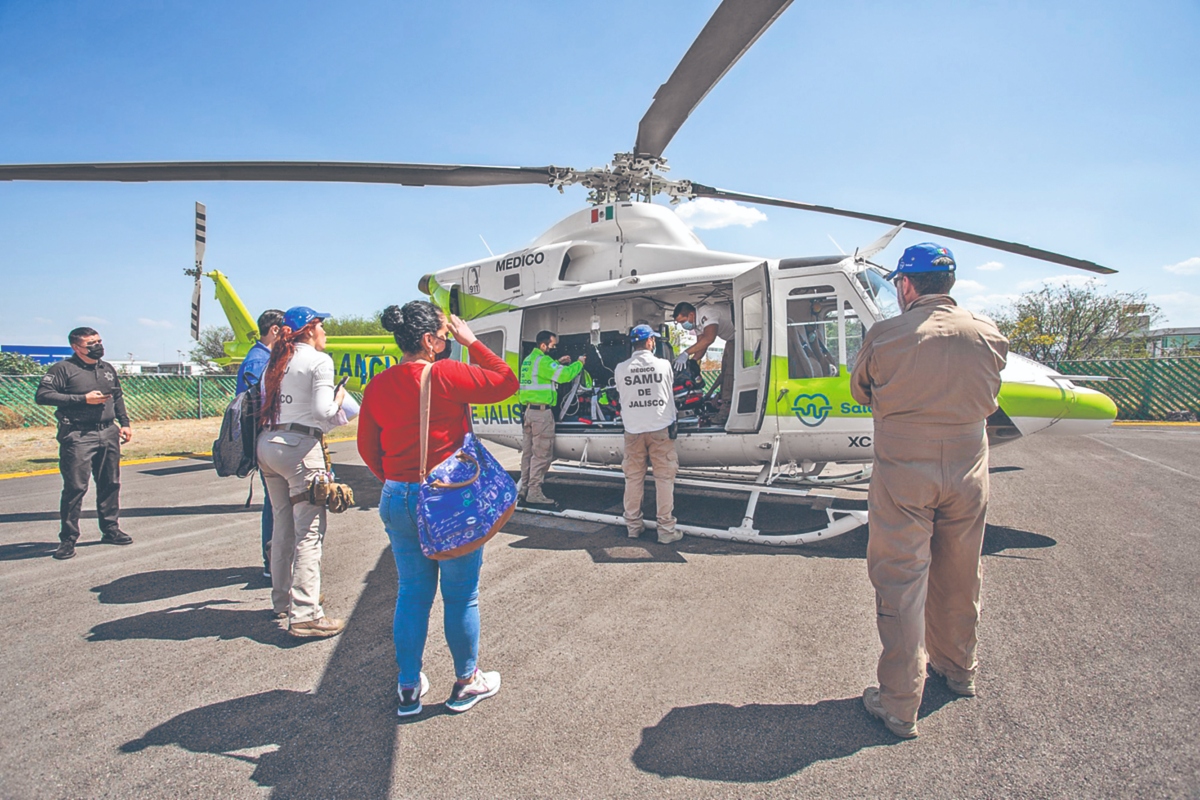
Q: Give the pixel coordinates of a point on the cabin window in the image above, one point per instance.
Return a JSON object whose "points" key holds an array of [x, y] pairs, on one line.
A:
{"points": [[812, 336], [855, 330], [751, 321], [492, 340]]}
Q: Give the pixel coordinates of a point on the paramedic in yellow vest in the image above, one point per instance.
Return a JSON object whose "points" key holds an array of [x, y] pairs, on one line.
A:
{"points": [[709, 322], [644, 382], [931, 376], [540, 375]]}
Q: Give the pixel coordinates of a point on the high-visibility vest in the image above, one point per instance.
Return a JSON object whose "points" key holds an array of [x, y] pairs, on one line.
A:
{"points": [[539, 376]]}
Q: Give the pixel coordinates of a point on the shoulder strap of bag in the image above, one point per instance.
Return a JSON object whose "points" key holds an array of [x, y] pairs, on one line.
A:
{"points": [[426, 392]]}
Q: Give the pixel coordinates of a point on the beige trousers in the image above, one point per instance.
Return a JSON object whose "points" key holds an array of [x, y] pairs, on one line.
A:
{"points": [[537, 451], [928, 501], [659, 448], [288, 462]]}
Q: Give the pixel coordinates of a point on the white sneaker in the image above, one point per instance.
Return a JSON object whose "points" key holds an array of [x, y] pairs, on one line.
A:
{"points": [[668, 538], [464, 695], [410, 699]]}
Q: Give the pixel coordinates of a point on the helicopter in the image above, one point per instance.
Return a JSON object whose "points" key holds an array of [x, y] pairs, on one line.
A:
{"points": [[626, 260]]}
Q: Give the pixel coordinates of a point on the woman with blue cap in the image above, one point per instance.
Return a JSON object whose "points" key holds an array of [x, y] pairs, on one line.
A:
{"points": [[300, 405]]}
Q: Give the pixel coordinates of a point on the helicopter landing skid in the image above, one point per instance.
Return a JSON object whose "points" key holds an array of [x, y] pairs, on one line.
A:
{"points": [[839, 521], [858, 476]]}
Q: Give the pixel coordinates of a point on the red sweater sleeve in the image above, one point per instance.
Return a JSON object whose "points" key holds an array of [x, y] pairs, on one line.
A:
{"points": [[370, 445], [489, 380]]}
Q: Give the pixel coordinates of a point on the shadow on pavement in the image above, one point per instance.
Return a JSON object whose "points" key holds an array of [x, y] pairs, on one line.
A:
{"points": [[366, 486], [153, 511], [338, 741], [202, 620], [998, 538], [146, 586], [608, 544], [20, 551], [758, 743]]}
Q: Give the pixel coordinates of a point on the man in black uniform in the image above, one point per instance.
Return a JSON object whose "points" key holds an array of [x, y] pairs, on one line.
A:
{"points": [[88, 397]]}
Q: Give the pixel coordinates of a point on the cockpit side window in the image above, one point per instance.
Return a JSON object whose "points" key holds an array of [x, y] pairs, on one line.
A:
{"points": [[882, 293]]}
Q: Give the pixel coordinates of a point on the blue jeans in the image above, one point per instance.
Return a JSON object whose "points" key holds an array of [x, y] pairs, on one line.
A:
{"points": [[268, 525], [418, 581]]}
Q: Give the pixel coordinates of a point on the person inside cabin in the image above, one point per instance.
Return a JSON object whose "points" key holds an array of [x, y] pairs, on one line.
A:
{"points": [[709, 321]]}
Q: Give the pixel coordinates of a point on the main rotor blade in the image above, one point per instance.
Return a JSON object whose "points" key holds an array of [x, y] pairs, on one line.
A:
{"points": [[343, 172], [733, 28], [700, 190]]}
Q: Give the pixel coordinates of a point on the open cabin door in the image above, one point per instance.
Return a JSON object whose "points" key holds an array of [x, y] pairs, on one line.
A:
{"points": [[500, 333], [752, 357]]}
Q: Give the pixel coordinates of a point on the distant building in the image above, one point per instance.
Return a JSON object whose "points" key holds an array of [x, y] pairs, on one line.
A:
{"points": [[174, 368], [42, 354], [127, 367], [1163, 342]]}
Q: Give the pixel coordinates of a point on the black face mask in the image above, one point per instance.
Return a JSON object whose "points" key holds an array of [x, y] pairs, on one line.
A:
{"points": [[96, 351]]}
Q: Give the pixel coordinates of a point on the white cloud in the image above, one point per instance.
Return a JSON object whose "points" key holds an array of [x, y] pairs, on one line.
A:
{"points": [[968, 287], [990, 266], [154, 323], [1189, 266], [708, 213], [1059, 280], [989, 302], [1180, 309], [92, 320]]}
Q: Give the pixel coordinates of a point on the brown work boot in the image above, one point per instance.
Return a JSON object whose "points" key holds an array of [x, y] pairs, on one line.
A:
{"points": [[961, 688], [905, 730], [321, 628]]}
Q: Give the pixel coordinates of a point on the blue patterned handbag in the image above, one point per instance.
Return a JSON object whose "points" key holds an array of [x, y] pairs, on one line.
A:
{"points": [[463, 501]]}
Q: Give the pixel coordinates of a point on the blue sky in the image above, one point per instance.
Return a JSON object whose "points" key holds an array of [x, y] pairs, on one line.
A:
{"points": [[1070, 126]]}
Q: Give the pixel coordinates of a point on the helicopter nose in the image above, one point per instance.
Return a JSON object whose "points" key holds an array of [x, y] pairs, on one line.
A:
{"points": [[1088, 411]]}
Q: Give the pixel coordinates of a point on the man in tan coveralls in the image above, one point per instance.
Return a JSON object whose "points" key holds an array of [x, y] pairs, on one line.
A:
{"points": [[931, 376]]}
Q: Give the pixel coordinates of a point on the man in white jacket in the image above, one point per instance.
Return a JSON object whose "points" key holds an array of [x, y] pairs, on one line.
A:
{"points": [[645, 383]]}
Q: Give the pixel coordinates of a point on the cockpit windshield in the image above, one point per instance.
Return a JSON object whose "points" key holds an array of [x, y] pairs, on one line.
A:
{"points": [[880, 291]]}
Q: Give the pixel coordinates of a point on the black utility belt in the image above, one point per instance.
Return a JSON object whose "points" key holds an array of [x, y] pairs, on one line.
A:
{"points": [[538, 406], [85, 426], [296, 427]]}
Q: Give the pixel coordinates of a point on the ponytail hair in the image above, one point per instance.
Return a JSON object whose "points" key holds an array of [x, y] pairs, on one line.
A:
{"points": [[281, 353], [409, 324]]}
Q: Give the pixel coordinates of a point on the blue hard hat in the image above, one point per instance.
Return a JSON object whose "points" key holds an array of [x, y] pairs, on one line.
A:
{"points": [[297, 317], [924, 257], [641, 333]]}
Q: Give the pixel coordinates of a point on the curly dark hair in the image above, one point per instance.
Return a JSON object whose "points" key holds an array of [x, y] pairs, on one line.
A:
{"points": [[410, 322]]}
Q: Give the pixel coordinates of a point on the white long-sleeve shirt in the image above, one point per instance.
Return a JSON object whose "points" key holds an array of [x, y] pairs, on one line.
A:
{"points": [[306, 391], [645, 383]]}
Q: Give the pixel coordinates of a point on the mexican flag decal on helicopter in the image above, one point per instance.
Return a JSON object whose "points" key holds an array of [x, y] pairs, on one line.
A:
{"points": [[601, 214]]}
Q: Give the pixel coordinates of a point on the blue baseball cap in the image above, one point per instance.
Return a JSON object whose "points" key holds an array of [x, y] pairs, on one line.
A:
{"points": [[641, 333], [924, 257], [297, 317]]}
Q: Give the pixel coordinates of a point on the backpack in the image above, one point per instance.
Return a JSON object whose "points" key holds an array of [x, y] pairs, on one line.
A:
{"points": [[235, 451]]}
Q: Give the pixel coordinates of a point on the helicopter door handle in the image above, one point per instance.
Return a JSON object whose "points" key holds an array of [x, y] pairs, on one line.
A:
{"points": [[782, 392]]}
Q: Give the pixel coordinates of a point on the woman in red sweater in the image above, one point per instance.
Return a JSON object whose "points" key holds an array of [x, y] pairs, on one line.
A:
{"points": [[389, 442]]}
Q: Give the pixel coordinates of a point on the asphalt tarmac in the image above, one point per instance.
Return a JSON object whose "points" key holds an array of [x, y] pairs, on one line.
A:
{"points": [[630, 669]]}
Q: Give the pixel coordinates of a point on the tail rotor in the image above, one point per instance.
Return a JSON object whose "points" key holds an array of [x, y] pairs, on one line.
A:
{"points": [[198, 271]]}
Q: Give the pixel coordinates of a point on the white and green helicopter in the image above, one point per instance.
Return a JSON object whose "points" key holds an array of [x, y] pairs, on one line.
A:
{"points": [[626, 260]]}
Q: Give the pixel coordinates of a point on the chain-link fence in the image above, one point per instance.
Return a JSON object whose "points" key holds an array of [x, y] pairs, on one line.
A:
{"points": [[1152, 389], [146, 397]]}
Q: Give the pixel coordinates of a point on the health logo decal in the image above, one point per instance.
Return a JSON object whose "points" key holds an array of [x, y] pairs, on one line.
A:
{"points": [[811, 409]]}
